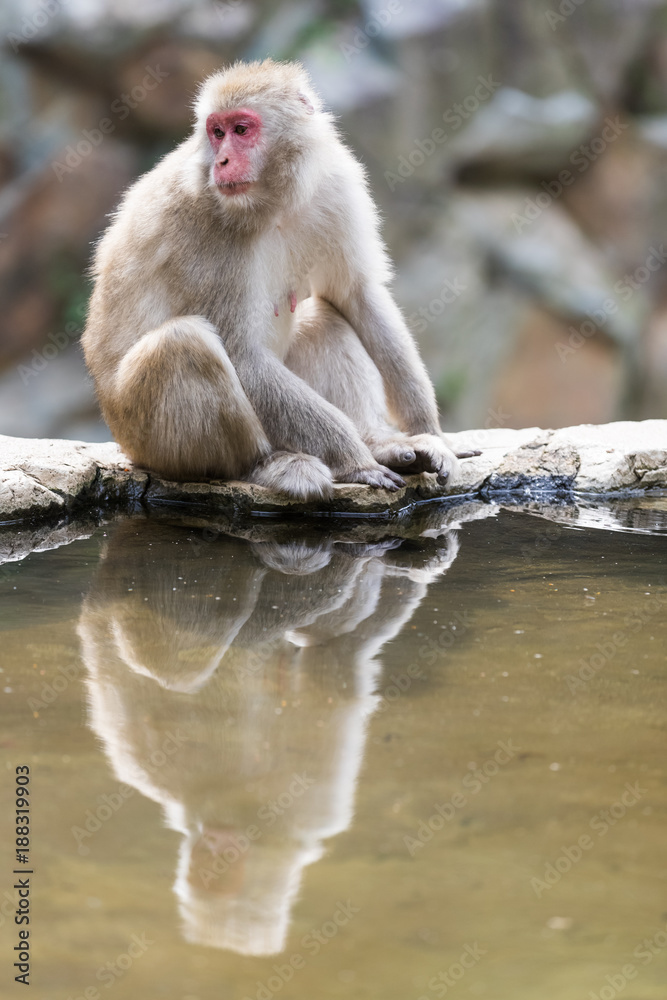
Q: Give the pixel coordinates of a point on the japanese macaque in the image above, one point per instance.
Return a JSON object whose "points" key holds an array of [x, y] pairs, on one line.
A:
{"points": [[241, 326]]}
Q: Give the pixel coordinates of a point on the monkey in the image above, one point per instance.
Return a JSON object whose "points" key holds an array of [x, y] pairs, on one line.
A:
{"points": [[241, 325]]}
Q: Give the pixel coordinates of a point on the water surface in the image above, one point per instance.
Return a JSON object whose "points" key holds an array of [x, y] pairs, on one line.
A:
{"points": [[350, 760]]}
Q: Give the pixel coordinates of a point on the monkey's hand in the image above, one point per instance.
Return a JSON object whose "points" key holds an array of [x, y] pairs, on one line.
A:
{"points": [[432, 454], [377, 476]]}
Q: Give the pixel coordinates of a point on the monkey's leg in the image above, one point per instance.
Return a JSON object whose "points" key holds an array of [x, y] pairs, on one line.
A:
{"points": [[179, 408], [327, 353]]}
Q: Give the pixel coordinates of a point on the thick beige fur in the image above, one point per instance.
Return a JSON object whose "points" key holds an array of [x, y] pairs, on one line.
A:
{"points": [[196, 374]]}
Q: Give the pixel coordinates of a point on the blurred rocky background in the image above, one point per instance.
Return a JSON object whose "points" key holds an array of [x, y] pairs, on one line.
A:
{"points": [[517, 150]]}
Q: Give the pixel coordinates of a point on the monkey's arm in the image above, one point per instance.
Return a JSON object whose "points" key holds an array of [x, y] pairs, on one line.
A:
{"points": [[352, 274], [371, 311]]}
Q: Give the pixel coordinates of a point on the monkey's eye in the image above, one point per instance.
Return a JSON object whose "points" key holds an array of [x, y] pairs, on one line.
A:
{"points": [[218, 132], [241, 129]]}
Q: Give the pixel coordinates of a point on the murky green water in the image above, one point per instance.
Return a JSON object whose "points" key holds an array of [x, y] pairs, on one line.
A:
{"points": [[356, 761]]}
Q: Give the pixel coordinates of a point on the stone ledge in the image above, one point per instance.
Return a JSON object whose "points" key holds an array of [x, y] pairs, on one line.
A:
{"points": [[46, 478]]}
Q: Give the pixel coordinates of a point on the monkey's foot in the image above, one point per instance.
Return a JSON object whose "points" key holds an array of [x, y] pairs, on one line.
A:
{"points": [[431, 455], [301, 476], [394, 452]]}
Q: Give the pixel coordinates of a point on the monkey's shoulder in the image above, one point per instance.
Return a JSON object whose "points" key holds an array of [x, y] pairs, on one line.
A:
{"points": [[162, 210]]}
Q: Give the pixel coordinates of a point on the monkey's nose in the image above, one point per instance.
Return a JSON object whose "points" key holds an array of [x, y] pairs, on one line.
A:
{"points": [[223, 163]]}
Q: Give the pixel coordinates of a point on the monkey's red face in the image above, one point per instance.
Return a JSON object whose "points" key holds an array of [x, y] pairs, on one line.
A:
{"points": [[234, 137]]}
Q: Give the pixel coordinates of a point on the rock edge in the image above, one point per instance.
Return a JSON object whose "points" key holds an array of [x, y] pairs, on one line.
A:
{"points": [[43, 478]]}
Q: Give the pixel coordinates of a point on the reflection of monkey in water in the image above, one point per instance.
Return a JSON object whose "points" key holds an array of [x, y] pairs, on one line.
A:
{"points": [[261, 658]]}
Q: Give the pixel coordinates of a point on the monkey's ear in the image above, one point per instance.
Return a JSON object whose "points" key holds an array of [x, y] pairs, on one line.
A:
{"points": [[307, 102]]}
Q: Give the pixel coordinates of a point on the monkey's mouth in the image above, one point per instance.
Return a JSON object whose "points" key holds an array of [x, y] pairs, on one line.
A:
{"points": [[236, 187]]}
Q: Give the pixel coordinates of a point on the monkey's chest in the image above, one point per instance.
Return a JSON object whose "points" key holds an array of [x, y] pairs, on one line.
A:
{"points": [[284, 269]]}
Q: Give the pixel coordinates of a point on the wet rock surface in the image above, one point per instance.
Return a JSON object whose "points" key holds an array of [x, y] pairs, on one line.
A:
{"points": [[49, 479]]}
